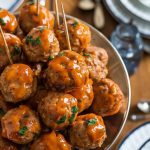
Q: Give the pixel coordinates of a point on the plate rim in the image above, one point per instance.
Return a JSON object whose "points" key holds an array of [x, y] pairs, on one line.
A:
{"points": [[123, 2], [131, 132], [147, 36]]}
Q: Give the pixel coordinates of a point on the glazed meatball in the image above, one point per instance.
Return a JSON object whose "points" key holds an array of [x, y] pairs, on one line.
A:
{"points": [[84, 95], [29, 19], [20, 125], [8, 21], [98, 52], [40, 44], [17, 82], [87, 132], [67, 71], [58, 110], [14, 45], [51, 141], [96, 59], [6, 145], [80, 35], [108, 98]]}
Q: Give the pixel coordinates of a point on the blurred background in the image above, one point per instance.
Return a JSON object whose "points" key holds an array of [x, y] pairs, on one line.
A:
{"points": [[127, 24]]}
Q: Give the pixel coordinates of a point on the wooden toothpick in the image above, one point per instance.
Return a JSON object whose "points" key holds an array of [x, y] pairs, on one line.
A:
{"points": [[37, 3], [66, 26], [57, 12], [6, 46]]}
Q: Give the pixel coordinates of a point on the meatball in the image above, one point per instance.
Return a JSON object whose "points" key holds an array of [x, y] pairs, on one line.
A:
{"points": [[14, 45], [20, 125], [29, 19], [58, 110], [17, 82], [98, 52], [87, 132], [108, 98], [6, 145], [96, 59], [67, 71], [84, 95], [40, 44], [51, 141], [8, 21], [80, 35]]}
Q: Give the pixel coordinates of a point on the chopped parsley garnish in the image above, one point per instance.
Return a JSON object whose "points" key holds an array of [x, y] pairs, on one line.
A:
{"points": [[2, 22], [74, 110], [23, 130], [51, 57], [61, 120], [41, 29], [61, 54], [86, 54], [33, 42], [1, 50], [75, 23], [2, 112], [16, 51], [91, 121]]}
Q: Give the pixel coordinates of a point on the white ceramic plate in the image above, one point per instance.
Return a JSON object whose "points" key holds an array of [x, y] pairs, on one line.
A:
{"points": [[138, 139], [121, 14], [145, 2], [137, 8]]}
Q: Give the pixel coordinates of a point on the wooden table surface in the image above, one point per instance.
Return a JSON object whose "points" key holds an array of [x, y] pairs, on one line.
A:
{"points": [[140, 81]]}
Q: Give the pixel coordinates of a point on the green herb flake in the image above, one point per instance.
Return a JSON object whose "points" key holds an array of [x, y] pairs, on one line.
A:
{"points": [[86, 54], [33, 42], [51, 58], [2, 22], [61, 54], [1, 50], [42, 29], [91, 122], [74, 110], [23, 130], [75, 23], [2, 112], [28, 39], [61, 120], [17, 50]]}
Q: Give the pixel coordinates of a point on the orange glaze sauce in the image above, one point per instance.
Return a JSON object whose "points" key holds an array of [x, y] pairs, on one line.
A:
{"points": [[23, 75], [84, 95], [10, 20]]}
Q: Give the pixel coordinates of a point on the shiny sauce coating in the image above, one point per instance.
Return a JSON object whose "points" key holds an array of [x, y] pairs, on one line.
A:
{"points": [[8, 21]]}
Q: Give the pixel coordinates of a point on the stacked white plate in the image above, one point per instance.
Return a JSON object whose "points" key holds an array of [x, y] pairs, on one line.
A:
{"points": [[137, 10], [137, 139]]}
